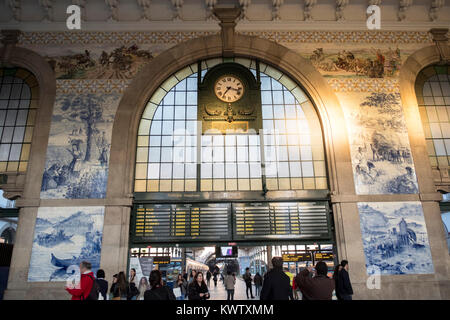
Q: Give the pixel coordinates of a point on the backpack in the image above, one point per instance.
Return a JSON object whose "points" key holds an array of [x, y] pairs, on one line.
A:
{"points": [[95, 292]]}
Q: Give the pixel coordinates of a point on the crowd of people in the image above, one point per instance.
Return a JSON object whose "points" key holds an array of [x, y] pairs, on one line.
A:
{"points": [[311, 283]]}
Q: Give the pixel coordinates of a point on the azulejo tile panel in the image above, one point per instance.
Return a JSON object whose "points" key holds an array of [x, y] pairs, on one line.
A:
{"points": [[379, 144], [78, 150], [395, 238], [63, 237]]}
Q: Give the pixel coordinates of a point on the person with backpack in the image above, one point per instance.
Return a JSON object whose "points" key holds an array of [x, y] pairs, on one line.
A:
{"points": [[158, 291], [133, 290], [87, 288], [318, 287], [102, 283]]}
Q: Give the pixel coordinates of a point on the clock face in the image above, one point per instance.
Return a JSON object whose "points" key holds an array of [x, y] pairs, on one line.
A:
{"points": [[229, 88]]}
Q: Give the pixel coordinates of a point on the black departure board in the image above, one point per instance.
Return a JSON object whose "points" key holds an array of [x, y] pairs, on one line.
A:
{"points": [[182, 222], [293, 220]]}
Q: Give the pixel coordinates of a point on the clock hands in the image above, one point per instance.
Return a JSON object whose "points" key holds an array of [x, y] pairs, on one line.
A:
{"points": [[231, 88], [228, 89]]}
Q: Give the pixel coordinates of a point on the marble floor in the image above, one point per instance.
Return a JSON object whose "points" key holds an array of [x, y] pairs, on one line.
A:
{"points": [[219, 292]]}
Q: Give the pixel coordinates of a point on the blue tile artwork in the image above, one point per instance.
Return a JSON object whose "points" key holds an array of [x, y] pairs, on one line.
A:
{"points": [[79, 144], [395, 238], [381, 154], [63, 237]]}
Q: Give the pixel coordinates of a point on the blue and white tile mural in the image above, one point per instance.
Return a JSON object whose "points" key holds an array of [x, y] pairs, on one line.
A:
{"points": [[79, 144], [63, 237], [381, 154], [395, 238]]}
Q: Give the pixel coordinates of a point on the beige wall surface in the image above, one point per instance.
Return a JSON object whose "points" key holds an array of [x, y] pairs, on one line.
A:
{"points": [[341, 78]]}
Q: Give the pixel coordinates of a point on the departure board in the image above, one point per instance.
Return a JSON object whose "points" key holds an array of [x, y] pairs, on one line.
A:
{"points": [[182, 222], [293, 220]]}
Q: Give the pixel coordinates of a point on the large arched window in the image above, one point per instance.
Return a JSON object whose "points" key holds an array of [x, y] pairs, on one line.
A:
{"points": [[433, 97], [173, 154], [19, 94]]}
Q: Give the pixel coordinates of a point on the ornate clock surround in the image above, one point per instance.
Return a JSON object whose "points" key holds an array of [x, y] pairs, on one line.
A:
{"points": [[220, 117]]}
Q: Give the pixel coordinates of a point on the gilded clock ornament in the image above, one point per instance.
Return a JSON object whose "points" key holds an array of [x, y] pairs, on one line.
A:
{"points": [[229, 88]]}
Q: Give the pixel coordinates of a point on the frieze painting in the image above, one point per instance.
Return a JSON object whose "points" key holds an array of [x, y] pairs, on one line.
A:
{"points": [[371, 63], [379, 144], [119, 63], [63, 237], [395, 238], [79, 144]]}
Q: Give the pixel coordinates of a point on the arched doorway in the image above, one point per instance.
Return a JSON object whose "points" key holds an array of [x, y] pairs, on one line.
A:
{"points": [[150, 82]]}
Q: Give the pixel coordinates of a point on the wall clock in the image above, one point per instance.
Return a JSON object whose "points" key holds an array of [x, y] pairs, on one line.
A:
{"points": [[229, 100], [229, 88]]}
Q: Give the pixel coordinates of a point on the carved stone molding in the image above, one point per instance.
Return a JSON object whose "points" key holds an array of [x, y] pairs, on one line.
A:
{"points": [[244, 4], [440, 38], [177, 6], [227, 17], [307, 8], [9, 41], [276, 4], [48, 9], [16, 9], [403, 7], [435, 7], [340, 6], [210, 4], [114, 9]]}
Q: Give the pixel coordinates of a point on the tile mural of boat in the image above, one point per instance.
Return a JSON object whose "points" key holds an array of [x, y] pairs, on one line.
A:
{"points": [[64, 238]]}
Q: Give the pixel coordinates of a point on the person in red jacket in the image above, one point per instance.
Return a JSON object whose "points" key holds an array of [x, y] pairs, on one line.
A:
{"points": [[81, 290]]}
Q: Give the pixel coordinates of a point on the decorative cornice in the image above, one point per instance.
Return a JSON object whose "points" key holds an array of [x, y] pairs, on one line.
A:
{"points": [[145, 7], [174, 37], [97, 86]]}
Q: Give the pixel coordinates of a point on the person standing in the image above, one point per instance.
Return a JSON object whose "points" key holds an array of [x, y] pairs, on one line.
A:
{"points": [[182, 284], [230, 282], [318, 287], [276, 285], [142, 288], [133, 291], [215, 278], [102, 283], [113, 285], [121, 288], [248, 282], [198, 290], [257, 280], [158, 291], [208, 278], [83, 288], [344, 288]]}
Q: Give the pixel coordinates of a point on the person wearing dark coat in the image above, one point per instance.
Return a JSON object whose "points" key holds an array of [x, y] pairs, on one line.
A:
{"points": [[319, 287], [158, 291], [335, 278], [258, 281], [102, 283], [198, 290], [276, 284], [344, 288]]}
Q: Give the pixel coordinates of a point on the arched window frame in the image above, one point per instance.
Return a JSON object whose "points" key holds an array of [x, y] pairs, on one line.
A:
{"points": [[315, 179]]}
